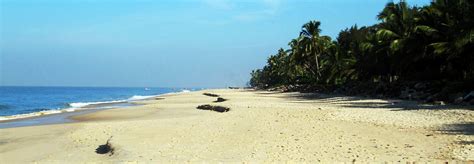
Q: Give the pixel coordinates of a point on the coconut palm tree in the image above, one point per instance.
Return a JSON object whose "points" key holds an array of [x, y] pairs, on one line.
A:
{"points": [[449, 27], [309, 47], [434, 42], [312, 43], [397, 31]]}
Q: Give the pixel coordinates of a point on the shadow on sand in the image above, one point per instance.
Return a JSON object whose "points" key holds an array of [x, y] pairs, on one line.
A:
{"points": [[461, 128], [358, 102]]}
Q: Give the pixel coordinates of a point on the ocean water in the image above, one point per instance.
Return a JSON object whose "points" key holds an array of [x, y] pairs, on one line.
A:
{"points": [[25, 101]]}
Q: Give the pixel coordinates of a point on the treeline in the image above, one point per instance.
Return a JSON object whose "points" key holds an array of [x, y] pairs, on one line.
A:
{"points": [[432, 44]]}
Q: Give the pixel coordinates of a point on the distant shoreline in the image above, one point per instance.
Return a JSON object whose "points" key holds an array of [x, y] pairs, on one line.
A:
{"points": [[60, 116]]}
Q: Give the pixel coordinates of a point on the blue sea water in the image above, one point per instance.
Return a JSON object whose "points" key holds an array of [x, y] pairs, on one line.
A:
{"points": [[24, 100]]}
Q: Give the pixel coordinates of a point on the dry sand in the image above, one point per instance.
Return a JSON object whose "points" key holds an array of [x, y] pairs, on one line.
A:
{"points": [[260, 127]]}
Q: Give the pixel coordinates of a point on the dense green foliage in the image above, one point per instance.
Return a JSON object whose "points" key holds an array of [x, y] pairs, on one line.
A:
{"points": [[429, 43]]}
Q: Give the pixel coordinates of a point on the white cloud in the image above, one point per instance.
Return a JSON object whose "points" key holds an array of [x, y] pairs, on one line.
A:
{"points": [[247, 10], [272, 6], [219, 4], [268, 8]]}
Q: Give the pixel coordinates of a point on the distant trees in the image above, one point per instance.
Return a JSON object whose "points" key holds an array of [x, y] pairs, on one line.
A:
{"points": [[428, 43]]}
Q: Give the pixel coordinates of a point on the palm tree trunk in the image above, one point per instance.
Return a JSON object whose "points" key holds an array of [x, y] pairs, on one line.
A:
{"points": [[317, 67]]}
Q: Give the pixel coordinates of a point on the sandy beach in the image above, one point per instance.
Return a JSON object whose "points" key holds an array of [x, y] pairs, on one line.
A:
{"points": [[260, 127]]}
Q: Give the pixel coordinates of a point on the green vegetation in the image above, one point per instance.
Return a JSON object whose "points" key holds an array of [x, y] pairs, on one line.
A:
{"points": [[430, 46]]}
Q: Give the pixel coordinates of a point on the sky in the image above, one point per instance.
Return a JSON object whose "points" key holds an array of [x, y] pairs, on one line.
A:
{"points": [[158, 43]]}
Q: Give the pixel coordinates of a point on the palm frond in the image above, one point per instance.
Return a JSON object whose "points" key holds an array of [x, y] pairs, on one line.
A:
{"points": [[384, 34]]}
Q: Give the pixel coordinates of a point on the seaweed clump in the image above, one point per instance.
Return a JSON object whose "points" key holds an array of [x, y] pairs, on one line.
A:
{"points": [[220, 109]]}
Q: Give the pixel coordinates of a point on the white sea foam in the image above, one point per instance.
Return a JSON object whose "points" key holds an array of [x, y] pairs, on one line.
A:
{"points": [[138, 97], [185, 91], [133, 98], [69, 109], [84, 104], [78, 105], [74, 107], [34, 114]]}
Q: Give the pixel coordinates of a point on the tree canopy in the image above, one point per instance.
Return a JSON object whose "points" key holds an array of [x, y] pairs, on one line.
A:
{"points": [[428, 43]]}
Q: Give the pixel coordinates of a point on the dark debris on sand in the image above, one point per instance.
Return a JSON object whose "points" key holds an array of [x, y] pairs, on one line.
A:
{"points": [[106, 148], [220, 99], [210, 95], [220, 109]]}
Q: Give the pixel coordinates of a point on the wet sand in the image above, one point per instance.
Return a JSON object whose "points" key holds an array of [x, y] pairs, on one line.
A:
{"points": [[260, 127], [56, 116]]}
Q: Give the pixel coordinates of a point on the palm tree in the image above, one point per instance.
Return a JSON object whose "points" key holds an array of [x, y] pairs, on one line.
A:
{"points": [[449, 27], [349, 43], [397, 31], [310, 34], [313, 46], [435, 42]]}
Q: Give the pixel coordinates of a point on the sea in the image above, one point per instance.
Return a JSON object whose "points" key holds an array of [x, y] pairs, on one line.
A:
{"points": [[25, 102]]}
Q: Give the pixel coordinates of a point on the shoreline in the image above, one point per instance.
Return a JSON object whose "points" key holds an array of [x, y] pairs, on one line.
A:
{"points": [[50, 119], [60, 116], [261, 126]]}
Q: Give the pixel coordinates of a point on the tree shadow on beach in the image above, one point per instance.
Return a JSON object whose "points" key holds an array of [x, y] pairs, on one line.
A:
{"points": [[395, 105], [267, 92], [465, 142], [406, 105], [373, 103], [461, 128], [304, 97], [458, 128]]}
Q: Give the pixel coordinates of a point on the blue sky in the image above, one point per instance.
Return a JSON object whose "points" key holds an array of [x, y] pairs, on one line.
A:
{"points": [[169, 43]]}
